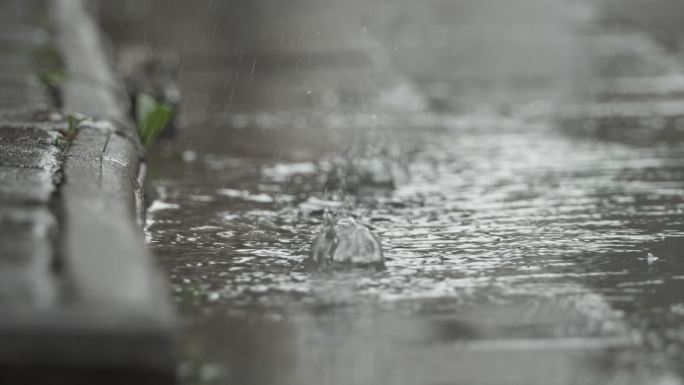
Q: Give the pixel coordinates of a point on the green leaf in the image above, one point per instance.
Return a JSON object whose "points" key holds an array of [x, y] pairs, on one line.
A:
{"points": [[152, 117], [72, 127], [52, 78]]}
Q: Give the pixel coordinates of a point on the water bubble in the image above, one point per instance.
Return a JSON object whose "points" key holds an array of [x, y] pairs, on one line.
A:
{"points": [[189, 156]]}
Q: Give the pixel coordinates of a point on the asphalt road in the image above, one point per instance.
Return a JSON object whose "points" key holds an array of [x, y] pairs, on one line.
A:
{"points": [[535, 236]]}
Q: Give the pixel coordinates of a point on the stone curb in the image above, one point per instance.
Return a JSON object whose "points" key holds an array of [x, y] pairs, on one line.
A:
{"points": [[103, 198], [116, 325]]}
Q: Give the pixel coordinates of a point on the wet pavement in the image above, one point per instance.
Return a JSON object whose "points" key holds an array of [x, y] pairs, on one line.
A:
{"points": [[535, 232]]}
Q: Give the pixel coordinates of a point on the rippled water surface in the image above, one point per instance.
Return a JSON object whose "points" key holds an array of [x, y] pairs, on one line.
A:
{"points": [[546, 238], [535, 231]]}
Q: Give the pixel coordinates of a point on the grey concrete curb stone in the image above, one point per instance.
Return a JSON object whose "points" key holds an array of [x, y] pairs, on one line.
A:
{"points": [[91, 88], [104, 253], [114, 324]]}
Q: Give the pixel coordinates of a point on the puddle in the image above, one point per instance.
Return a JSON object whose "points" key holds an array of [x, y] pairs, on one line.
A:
{"points": [[547, 232]]}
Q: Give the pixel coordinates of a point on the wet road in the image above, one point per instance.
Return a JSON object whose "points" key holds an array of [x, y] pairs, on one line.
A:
{"points": [[535, 234]]}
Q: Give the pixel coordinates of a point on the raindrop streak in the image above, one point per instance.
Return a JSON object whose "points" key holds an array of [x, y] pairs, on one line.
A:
{"points": [[514, 229]]}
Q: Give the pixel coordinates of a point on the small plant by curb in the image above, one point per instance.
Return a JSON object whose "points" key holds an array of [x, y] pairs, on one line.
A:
{"points": [[50, 72], [72, 127], [151, 117], [52, 78]]}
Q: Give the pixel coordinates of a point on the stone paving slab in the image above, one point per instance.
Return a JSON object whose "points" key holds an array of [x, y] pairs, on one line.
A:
{"points": [[91, 88], [81, 301], [28, 184], [29, 147], [30, 151], [19, 94], [21, 26], [26, 248], [20, 37]]}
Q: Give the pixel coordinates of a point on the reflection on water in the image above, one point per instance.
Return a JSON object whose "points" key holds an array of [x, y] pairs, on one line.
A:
{"points": [[544, 237], [532, 225]]}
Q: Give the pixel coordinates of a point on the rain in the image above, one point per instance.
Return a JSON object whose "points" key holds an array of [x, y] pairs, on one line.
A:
{"points": [[367, 192], [519, 162]]}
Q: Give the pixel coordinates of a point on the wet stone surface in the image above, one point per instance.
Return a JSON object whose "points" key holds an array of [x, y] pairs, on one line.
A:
{"points": [[30, 162], [79, 300], [535, 236], [30, 155], [23, 35]]}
